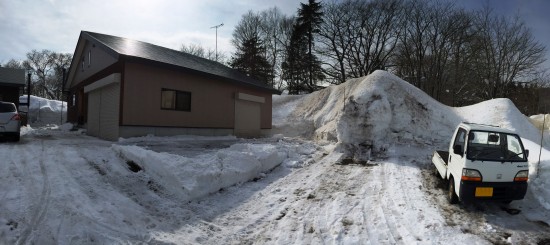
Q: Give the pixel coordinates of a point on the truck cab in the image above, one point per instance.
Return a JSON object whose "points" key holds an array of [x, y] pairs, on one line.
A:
{"points": [[483, 162]]}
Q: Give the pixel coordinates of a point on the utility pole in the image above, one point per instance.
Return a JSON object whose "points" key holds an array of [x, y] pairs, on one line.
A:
{"points": [[216, 27], [541, 138], [28, 98], [63, 70]]}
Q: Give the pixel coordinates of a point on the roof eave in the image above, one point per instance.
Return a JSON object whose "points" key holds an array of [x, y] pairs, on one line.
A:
{"points": [[177, 67]]}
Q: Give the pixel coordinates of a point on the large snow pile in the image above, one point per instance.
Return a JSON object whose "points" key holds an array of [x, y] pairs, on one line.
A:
{"points": [[44, 111], [368, 113], [376, 111]]}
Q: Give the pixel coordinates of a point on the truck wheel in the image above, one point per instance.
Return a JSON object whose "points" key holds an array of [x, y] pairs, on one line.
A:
{"points": [[451, 195]]}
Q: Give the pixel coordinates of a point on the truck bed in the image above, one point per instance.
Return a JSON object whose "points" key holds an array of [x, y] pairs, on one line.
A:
{"points": [[440, 160]]}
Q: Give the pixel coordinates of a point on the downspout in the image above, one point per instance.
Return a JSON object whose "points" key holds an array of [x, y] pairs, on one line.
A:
{"points": [[62, 91]]}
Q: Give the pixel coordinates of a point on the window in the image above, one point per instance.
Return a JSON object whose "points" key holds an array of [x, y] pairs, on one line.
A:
{"points": [[7, 107], [460, 139], [175, 100], [73, 100], [494, 146]]}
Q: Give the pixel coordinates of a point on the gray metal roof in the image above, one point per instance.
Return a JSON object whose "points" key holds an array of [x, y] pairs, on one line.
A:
{"points": [[147, 51], [12, 76]]}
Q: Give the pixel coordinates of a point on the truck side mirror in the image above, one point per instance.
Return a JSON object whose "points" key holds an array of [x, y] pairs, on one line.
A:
{"points": [[526, 153], [457, 149]]}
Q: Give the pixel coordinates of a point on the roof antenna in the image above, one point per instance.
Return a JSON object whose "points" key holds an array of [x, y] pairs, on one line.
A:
{"points": [[217, 26]]}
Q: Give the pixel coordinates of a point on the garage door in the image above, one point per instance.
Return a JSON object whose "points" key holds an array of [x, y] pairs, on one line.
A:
{"points": [[94, 100], [103, 108], [248, 115]]}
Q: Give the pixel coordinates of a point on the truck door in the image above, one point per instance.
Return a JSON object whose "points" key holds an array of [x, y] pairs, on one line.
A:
{"points": [[456, 153]]}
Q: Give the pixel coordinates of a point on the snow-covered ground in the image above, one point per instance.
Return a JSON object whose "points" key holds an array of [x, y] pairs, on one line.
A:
{"points": [[347, 165]]}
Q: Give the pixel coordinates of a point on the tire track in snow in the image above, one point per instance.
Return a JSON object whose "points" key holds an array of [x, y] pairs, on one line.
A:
{"points": [[398, 204], [38, 214]]}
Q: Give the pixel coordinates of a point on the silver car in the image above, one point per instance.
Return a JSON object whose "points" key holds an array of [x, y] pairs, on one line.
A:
{"points": [[10, 121]]}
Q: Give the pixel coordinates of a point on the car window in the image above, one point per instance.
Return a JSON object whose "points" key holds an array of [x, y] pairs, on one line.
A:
{"points": [[460, 138], [494, 146], [5, 107]]}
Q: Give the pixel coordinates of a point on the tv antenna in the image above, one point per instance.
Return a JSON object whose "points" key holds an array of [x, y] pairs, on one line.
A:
{"points": [[216, 27]]}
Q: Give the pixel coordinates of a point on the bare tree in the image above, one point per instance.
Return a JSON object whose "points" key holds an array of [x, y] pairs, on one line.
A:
{"points": [[358, 37], [46, 67], [207, 53], [60, 62], [434, 52], [275, 34], [12, 63], [335, 39], [273, 30], [506, 52], [249, 27]]}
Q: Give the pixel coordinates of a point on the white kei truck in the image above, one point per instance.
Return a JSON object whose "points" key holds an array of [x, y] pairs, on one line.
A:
{"points": [[483, 162]]}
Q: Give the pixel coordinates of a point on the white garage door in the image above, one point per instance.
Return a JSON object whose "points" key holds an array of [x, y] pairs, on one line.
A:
{"points": [[248, 115], [94, 102], [103, 108]]}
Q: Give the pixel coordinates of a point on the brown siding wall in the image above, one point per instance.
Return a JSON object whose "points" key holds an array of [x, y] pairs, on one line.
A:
{"points": [[78, 112], [212, 101], [99, 61]]}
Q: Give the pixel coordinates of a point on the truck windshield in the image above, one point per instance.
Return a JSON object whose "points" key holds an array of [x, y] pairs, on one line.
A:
{"points": [[495, 146]]}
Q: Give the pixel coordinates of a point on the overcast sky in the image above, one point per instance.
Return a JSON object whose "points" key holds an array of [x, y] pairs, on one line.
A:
{"points": [[56, 24]]}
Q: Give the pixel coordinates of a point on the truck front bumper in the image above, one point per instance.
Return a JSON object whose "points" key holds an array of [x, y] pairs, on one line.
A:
{"points": [[500, 191]]}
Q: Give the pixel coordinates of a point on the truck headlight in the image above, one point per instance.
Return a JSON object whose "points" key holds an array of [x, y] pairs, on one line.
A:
{"points": [[470, 175], [522, 175]]}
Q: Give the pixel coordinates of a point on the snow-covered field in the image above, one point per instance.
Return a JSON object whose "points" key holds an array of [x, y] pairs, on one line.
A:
{"points": [[347, 165]]}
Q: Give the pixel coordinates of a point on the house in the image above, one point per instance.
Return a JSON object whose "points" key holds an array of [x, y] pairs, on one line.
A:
{"points": [[119, 87], [12, 82]]}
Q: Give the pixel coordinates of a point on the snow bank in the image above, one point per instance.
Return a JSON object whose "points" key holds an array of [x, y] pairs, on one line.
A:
{"points": [[368, 114], [538, 120], [374, 112], [188, 178], [44, 111]]}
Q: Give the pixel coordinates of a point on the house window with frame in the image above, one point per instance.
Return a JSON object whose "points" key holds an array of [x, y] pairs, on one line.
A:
{"points": [[175, 100]]}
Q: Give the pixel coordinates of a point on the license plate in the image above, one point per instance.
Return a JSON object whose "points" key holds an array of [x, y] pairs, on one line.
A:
{"points": [[484, 191]]}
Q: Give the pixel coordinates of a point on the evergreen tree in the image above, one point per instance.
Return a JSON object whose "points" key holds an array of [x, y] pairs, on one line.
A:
{"points": [[250, 59], [295, 66], [301, 68], [310, 18]]}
